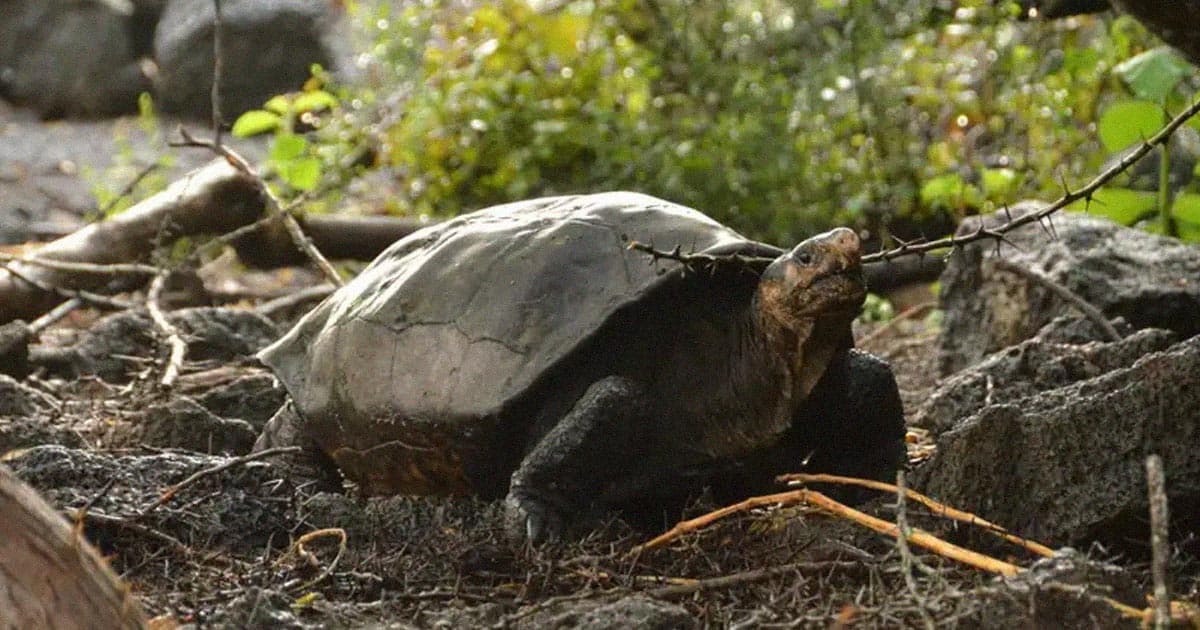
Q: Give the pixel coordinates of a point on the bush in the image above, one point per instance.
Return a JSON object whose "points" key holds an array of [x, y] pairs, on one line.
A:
{"points": [[778, 117]]}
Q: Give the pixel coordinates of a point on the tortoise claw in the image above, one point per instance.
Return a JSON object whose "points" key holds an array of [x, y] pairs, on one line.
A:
{"points": [[531, 518]]}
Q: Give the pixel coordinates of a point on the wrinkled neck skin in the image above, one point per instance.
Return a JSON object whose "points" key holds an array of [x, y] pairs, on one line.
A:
{"points": [[775, 366]]}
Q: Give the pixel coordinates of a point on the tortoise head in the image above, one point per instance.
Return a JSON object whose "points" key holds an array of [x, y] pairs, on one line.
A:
{"points": [[820, 278]]}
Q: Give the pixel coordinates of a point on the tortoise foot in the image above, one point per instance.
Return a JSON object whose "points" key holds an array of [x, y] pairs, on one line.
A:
{"points": [[534, 516]]}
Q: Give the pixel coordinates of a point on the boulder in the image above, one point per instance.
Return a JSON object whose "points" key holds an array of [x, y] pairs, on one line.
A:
{"points": [[1062, 353], [1150, 281], [70, 58], [268, 46], [1066, 464]]}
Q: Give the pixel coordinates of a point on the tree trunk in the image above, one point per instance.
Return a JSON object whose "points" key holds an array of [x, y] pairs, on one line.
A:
{"points": [[50, 577]]}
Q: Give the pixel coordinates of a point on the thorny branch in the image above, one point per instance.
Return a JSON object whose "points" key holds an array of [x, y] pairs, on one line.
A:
{"points": [[983, 232], [699, 261], [1069, 197]]}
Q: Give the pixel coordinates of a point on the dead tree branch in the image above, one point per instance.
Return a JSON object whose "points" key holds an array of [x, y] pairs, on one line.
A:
{"points": [[214, 199], [174, 338], [169, 494], [1160, 552], [274, 205]]}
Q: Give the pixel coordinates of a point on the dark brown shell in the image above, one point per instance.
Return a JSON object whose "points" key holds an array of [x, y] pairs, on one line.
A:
{"points": [[453, 322]]}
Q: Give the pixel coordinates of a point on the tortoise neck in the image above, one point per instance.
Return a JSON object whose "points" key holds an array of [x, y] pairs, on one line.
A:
{"points": [[764, 373], [795, 352]]}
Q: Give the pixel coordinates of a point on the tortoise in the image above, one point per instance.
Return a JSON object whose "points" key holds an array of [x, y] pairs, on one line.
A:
{"points": [[525, 350]]}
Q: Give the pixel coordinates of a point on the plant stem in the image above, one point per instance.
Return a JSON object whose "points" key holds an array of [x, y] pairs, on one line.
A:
{"points": [[1164, 188]]}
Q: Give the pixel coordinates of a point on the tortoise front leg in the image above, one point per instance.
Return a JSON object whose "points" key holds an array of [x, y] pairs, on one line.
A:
{"points": [[603, 442]]}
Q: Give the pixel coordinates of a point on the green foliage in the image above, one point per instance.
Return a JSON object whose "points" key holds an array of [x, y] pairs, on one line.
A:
{"points": [[293, 163], [877, 309], [256, 122], [511, 103], [779, 117], [132, 177], [1128, 122], [1154, 77], [293, 159]]}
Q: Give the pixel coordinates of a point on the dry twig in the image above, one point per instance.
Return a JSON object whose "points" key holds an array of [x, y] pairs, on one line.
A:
{"points": [[907, 561], [1159, 551], [113, 269], [824, 503], [170, 492], [307, 556], [106, 520], [174, 338], [274, 205], [672, 591], [282, 303], [938, 508]]}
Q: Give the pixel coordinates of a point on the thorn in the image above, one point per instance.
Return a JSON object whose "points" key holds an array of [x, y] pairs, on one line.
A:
{"points": [[1062, 177]]}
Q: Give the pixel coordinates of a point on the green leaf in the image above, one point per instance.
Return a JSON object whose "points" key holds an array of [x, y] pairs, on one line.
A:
{"points": [[1122, 205], [278, 104], [315, 101], [1186, 211], [301, 174], [1153, 74], [1186, 208], [254, 122], [287, 146], [999, 183], [948, 192], [1126, 122]]}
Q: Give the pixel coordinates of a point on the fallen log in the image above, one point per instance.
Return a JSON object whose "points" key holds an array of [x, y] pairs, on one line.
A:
{"points": [[213, 199], [338, 237], [50, 577]]}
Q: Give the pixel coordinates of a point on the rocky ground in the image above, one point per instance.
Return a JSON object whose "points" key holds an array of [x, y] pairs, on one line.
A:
{"points": [[261, 544]]}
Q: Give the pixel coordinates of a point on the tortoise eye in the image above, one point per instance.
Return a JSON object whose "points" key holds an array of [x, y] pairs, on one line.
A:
{"points": [[803, 258]]}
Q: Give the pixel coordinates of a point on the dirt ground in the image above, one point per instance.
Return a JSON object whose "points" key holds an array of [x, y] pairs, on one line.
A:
{"points": [[270, 543]]}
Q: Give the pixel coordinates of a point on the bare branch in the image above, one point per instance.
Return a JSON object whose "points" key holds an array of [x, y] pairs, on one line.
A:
{"points": [[170, 492], [218, 65], [1159, 551], [275, 206], [113, 269], [174, 339]]}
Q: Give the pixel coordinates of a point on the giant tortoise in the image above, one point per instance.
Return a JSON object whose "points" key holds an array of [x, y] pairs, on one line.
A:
{"points": [[525, 350]]}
